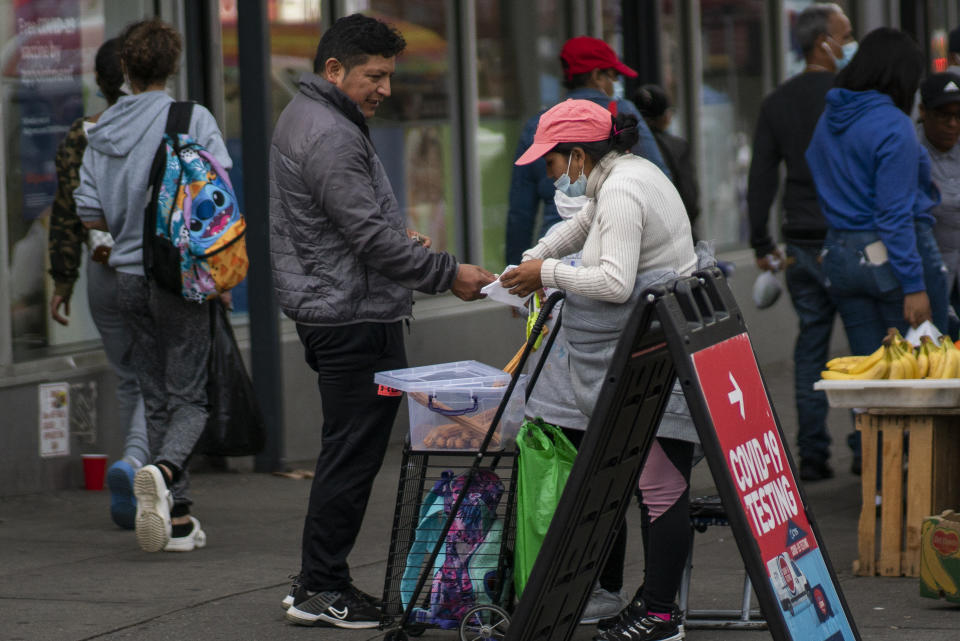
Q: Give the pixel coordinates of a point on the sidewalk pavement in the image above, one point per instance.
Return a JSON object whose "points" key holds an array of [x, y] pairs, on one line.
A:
{"points": [[67, 574]]}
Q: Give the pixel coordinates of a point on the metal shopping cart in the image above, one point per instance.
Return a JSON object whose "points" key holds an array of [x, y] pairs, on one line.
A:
{"points": [[453, 524]]}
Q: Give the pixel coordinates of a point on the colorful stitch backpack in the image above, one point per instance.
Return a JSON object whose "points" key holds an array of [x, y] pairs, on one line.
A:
{"points": [[193, 236]]}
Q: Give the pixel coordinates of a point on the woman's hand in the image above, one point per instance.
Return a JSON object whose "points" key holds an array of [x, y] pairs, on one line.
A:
{"points": [[916, 308], [523, 279]]}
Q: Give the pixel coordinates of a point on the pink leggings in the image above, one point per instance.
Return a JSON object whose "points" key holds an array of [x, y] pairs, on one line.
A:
{"points": [[660, 482]]}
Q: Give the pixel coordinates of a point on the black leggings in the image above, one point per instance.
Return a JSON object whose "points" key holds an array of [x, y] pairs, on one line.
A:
{"points": [[666, 541]]}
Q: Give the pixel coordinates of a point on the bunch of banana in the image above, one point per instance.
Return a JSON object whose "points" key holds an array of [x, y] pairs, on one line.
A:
{"points": [[944, 358], [903, 364], [896, 359], [874, 366]]}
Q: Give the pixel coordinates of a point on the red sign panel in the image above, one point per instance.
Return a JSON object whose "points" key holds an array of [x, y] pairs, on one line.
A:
{"points": [[761, 478], [748, 436]]}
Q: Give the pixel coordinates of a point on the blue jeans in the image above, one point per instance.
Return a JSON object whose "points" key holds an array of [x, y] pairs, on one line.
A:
{"points": [[869, 297], [815, 310]]}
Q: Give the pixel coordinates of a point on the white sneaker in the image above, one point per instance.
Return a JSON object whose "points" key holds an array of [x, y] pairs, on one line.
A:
{"points": [[196, 539], [154, 501], [603, 604]]}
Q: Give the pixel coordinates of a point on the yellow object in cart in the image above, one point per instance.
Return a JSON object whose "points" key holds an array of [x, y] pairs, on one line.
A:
{"points": [[940, 557]]}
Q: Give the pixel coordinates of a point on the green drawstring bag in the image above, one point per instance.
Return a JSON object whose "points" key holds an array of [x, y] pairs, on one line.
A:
{"points": [[546, 457]]}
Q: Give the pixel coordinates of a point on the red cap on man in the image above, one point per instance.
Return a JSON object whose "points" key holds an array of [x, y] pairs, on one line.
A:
{"points": [[583, 54]]}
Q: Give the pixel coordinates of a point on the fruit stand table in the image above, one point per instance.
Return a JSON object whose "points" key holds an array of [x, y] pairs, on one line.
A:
{"points": [[912, 427], [928, 441]]}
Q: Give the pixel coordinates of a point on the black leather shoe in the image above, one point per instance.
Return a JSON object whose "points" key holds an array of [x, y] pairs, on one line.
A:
{"points": [[856, 465], [815, 470]]}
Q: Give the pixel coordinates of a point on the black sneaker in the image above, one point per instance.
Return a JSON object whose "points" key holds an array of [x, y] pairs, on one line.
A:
{"points": [[369, 598], [292, 594], [815, 470], [637, 608], [339, 609], [632, 626]]}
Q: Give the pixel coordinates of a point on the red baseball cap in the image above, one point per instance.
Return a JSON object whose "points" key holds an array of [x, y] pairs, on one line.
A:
{"points": [[570, 121], [583, 54]]}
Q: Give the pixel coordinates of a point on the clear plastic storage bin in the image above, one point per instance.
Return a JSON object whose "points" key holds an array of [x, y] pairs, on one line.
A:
{"points": [[452, 405]]}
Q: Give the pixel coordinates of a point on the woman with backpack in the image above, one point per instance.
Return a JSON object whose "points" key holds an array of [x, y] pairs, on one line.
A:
{"points": [[634, 233], [65, 243], [171, 335]]}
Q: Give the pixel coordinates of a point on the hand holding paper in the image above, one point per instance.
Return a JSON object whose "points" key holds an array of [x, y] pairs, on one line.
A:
{"points": [[496, 291]]}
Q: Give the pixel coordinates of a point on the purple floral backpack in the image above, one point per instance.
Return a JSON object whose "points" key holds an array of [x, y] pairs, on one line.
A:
{"points": [[453, 592]]}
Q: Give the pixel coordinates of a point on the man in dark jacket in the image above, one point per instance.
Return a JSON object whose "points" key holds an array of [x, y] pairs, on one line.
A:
{"points": [[344, 266], [784, 128]]}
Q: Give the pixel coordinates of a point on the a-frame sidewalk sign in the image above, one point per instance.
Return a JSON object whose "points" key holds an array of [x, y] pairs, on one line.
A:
{"points": [[691, 330]]}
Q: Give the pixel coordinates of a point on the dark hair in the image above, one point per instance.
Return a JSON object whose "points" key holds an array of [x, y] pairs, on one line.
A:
{"points": [[888, 61], [109, 72], [577, 80], [623, 136], [812, 23], [651, 100], [354, 38], [953, 43], [150, 52]]}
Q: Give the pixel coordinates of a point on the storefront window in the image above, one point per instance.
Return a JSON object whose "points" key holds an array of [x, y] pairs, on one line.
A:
{"points": [[47, 83], [294, 33], [518, 75], [732, 35]]}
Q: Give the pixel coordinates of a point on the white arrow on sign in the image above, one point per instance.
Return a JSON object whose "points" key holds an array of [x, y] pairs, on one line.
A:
{"points": [[736, 396]]}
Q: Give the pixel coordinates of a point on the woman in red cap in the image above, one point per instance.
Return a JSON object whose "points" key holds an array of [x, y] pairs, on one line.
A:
{"points": [[633, 233]]}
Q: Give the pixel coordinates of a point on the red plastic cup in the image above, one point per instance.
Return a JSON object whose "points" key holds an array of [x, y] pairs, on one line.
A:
{"points": [[94, 470]]}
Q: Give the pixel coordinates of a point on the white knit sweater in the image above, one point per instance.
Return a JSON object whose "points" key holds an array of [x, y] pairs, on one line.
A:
{"points": [[636, 222]]}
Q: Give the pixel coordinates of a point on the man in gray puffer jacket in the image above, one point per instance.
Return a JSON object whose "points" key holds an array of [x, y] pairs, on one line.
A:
{"points": [[344, 266]]}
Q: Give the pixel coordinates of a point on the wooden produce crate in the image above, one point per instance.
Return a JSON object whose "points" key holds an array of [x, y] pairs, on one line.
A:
{"points": [[919, 449]]}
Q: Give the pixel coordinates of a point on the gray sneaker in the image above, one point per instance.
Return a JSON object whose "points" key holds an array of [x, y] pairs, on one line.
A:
{"points": [[603, 604]]}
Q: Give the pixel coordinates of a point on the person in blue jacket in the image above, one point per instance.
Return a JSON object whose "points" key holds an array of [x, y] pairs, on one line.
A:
{"points": [[590, 70], [873, 183]]}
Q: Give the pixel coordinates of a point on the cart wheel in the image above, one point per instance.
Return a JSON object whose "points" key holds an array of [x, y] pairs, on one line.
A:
{"points": [[484, 623], [397, 634], [415, 629]]}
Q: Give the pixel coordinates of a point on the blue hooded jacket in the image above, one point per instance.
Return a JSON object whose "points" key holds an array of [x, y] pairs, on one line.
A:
{"points": [[872, 174]]}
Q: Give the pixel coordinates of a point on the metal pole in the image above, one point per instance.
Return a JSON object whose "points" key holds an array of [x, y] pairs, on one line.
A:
{"points": [[256, 125]]}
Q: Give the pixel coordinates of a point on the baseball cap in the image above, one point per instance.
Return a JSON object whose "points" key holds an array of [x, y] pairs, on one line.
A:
{"points": [[583, 54], [569, 121], [940, 89]]}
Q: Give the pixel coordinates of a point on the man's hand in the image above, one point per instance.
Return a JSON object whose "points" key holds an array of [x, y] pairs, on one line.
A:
{"points": [[772, 262], [469, 280], [523, 279], [916, 308], [420, 239], [55, 303]]}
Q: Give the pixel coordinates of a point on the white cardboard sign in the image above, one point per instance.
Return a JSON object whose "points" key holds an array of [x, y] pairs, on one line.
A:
{"points": [[54, 419]]}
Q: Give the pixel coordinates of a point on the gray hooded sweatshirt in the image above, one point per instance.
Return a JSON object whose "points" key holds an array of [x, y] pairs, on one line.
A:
{"points": [[116, 168]]}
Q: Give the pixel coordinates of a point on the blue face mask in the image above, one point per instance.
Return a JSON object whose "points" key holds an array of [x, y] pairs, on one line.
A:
{"points": [[849, 50], [573, 189]]}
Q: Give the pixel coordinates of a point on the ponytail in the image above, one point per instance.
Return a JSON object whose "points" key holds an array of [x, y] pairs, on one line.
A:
{"points": [[624, 134]]}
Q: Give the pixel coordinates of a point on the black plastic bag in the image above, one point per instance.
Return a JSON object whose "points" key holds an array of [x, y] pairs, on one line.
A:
{"points": [[235, 425]]}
